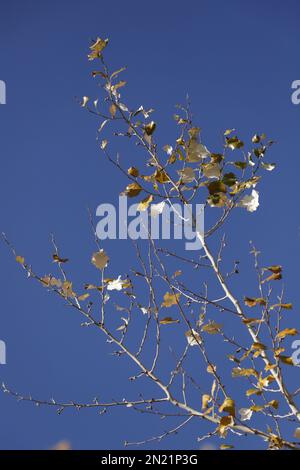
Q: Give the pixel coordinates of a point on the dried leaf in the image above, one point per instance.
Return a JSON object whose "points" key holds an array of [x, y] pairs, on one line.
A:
{"points": [[150, 128], [161, 176], [177, 273], [212, 328], [234, 143], [238, 372], [168, 321], [83, 297], [257, 408], [250, 321], [112, 110], [252, 302], [170, 299], [288, 306], [216, 187], [132, 190], [100, 259], [273, 277], [97, 48], [57, 259], [67, 289], [276, 269], [225, 422]]}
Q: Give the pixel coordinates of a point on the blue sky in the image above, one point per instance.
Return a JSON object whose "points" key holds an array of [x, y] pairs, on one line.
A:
{"points": [[236, 60]]}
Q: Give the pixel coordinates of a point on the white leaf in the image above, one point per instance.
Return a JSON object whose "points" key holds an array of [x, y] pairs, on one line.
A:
{"points": [[116, 284], [193, 338], [268, 166], [157, 209], [168, 149], [250, 202], [245, 413], [85, 100]]}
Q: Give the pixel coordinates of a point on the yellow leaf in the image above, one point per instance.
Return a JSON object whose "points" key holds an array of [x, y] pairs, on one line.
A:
{"points": [[213, 388], [97, 48], [234, 143], [225, 422], [228, 406], [211, 369], [286, 360], [270, 367], [20, 259], [253, 391], [144, 204], [265, 382], [275, 269], [161, 176], [205, 400], [229, 131], [278, 351], [274, 404], [132, 190], [133, 171], [256, 408], [273, 277], [287, 332]]}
